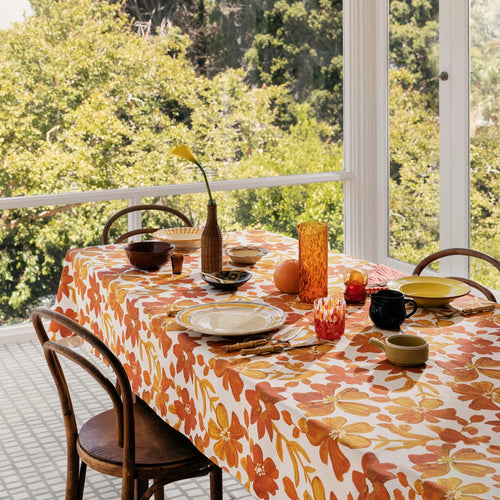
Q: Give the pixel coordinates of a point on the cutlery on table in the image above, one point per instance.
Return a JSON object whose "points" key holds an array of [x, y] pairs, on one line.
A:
{"points": [[455, 311], [268, 349], [287, 335], [173, 310], [216, 278]]}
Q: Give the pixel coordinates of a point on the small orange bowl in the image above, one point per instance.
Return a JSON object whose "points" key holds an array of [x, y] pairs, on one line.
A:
{"points": [[148, 255]]}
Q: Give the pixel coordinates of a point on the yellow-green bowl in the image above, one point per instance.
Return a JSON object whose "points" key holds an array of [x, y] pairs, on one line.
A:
{"points": [[429, 291]]}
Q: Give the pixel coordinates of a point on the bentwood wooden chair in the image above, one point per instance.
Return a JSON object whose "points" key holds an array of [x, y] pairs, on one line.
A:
{"points": [[144, 230], [129, 440], [461, 251]]}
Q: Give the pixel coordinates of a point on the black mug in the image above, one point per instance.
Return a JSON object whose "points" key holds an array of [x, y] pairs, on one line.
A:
{"points": [[388, 309]]}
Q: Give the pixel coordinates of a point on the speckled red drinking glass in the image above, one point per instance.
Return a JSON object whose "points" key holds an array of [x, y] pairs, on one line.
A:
{"points": [[329, 317]]}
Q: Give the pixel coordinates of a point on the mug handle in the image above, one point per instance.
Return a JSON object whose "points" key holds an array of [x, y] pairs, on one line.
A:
{"points": [[377, 342], [414, 310]]}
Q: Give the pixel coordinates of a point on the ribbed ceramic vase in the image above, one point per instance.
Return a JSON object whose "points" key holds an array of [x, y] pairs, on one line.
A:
{"points": [[313, 261], [211, 243]]}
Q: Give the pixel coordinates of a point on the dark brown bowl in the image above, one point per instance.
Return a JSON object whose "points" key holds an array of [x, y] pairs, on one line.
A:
{"points": [[227, 280], [148, 255]]}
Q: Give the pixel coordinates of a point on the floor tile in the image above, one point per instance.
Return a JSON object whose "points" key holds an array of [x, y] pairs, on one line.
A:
{"points": [[32, 438]]}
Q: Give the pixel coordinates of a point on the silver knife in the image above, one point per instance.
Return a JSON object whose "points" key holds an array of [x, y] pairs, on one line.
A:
{"points": [[268, 349]]}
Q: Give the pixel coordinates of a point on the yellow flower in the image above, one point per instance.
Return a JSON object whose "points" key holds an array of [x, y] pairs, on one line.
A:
{"points": [[184, 152]]}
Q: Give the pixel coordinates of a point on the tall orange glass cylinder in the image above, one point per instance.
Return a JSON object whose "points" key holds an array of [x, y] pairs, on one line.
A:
{"points": [[313, 261]]}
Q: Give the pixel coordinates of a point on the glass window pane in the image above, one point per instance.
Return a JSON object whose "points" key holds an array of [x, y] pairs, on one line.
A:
{"points": [[413, 130], [43, 235], [254, 87], [485, 136]]}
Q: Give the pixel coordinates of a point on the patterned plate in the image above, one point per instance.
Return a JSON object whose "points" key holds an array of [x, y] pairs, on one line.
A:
{"points": [[184, 238], [231, 318]]}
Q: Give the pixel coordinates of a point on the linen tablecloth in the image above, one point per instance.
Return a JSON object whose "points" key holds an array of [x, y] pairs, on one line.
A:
{"points": [[332, 422]]}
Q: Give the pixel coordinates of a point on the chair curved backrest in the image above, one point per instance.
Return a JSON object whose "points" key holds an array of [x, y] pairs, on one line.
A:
{"points": [[461, 251], [120, 392], [145, 230]]}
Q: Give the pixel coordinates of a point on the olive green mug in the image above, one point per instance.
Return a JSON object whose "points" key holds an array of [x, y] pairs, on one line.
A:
{"points": [[404, 350]]}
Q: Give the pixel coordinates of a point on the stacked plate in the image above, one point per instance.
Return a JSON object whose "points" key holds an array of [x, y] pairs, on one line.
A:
{"points": [[231, 318], [184, 238]]}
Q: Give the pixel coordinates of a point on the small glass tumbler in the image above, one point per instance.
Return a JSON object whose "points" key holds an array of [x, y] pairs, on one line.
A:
{"points": [[329, 317], [177, 260], [355, 281]]}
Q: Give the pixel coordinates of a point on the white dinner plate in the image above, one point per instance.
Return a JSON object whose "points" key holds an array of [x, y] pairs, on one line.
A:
{"points": [[231, 318]]}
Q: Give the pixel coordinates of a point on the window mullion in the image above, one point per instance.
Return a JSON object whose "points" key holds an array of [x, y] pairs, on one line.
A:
{"points": [[366, 128], [454, 132]]}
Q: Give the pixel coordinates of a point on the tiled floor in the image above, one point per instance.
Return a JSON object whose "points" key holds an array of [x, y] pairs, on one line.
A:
{"points": [[32, 439]]}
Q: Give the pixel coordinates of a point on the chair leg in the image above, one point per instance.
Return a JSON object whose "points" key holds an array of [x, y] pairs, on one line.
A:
{"points": [[81, 480], [74, 481], [140, 486], [160, 494], [157, 489], [216, 483]]}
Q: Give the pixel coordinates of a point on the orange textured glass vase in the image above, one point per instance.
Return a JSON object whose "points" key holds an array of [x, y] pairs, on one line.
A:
{"points": [[313, 261]]}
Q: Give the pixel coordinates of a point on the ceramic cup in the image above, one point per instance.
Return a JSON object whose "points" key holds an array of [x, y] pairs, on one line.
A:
{"points": [[404, 350], [388, 309]]}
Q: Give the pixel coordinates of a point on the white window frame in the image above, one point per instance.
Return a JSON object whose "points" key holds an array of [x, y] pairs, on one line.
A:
{"points": [[454, 95], [366, 131], [366, 139], [366, 128]]}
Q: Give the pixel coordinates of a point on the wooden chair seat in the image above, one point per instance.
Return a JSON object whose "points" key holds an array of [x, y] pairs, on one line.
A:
{"points": [[158, 446], [465, 252], [128, 441]]}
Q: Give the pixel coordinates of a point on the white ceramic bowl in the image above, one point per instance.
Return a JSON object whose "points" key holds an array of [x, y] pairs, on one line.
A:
{"points": [[246, 255], [184, 238]]}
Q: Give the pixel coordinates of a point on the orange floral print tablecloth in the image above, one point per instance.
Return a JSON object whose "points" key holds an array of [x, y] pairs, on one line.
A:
{"points": [[331, 422]]}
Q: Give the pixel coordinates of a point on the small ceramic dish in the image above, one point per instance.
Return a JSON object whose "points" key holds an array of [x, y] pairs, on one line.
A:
{"points": [[184, 238], [227, 280], [246, 255]]}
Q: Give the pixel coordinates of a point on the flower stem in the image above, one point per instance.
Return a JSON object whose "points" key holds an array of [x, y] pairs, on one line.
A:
{"points": [[210, 199]]}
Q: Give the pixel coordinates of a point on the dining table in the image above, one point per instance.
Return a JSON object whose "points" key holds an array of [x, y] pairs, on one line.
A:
{"points": [[332, 421]]}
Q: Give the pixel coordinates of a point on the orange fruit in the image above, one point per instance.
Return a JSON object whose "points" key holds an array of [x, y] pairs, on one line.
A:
{"points": [[286, 276], [356, 278]]}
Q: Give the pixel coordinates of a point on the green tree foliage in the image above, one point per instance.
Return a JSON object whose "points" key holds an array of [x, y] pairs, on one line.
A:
{"points": [[299, 44], [485, 141], [280, 42], [414, 180], [485, 61], [414, 171], [485, 131], [413, 35], [86, 103], [91, 99]]}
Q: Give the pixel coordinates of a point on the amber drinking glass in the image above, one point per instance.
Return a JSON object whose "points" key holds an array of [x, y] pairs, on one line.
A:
{"points": [[177, 260], [313, 261]]}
